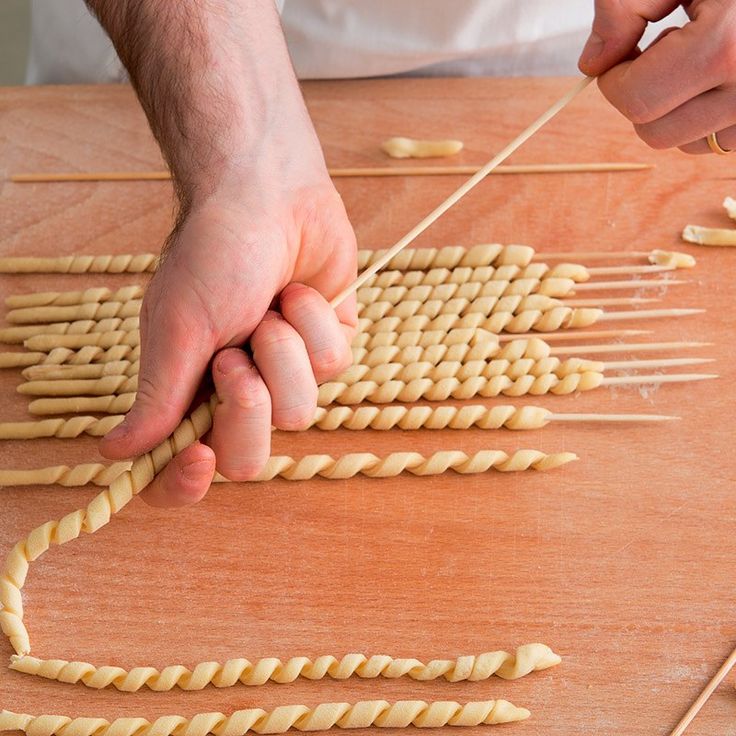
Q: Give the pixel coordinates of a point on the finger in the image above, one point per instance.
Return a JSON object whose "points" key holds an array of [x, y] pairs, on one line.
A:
{"points": [[668, 74], [185, 480], [316, 322], [726, 140], [281, 357], [175, 350], [713, 110], [241, 433], [617, 29]]}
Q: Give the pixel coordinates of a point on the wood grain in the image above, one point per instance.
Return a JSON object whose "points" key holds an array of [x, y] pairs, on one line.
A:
{"points": [[623, 562]]}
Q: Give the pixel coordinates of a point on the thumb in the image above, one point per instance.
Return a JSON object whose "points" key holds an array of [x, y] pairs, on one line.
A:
{"points": [[617, 29], [175, 350]]}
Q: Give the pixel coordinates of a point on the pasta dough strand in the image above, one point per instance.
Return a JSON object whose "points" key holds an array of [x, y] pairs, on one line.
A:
{"points": [[527, 658], [363, 714], [311, 466]]}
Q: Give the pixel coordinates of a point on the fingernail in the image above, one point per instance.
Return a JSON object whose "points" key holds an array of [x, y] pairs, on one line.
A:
{"points": [[593, 47], [195, 470], [120, 433], [227, 361]]}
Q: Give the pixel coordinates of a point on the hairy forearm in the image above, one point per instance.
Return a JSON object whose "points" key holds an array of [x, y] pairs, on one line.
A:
{"points": [[214, 78]]}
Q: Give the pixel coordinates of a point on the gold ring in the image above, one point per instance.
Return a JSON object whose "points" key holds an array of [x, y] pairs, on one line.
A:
{"points": [[715, 146]]}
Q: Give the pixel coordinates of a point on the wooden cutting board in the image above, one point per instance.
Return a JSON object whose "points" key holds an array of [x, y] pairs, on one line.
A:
{"points": [[623, 562]]}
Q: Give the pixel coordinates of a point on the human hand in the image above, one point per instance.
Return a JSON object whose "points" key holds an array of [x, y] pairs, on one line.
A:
{"points": [[682, 87], [213, 291]]}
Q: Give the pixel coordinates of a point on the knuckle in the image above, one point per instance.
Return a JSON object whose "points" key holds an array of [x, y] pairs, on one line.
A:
{"points": [[331, 361], [294, 418], [241, 469], [250, 395], [636, 109], [652, 136]]}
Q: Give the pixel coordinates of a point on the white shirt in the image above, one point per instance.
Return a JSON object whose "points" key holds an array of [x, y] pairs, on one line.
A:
{"points": [[357, 38]]}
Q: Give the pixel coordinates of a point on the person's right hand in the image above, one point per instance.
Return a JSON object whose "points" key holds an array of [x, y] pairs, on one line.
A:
{"points": [[283, 235], [679, 89]]}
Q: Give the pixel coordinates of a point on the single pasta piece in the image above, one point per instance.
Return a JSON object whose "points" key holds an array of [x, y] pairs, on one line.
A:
{"points": [[474, 668], [399, 147], [21, 333], [709, 235], [65, 298], [322, 466], [363, 714], [730, 206], [137, 263], [671, 259]]}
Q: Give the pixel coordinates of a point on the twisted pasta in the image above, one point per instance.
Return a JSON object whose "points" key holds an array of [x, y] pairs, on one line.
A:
{"points": [[111, 404], [323, 466], [88, 310], [526, 321], [322, 717], [14, 335], [410, 259], [514, 370], [364, 417], [428, 417], [485, 280], [46, 343], [528, 658], [138, 263], [671, 259], [66, 298], [485, 305], [110, 384], [62, 475], [432, 353], [424, 388], [68, 357], [524, 378], [61, 428], [87, 370]]}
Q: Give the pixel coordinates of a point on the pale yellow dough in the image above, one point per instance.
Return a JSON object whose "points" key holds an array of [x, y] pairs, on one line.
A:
{"points": [[363, 714], [400, 147]]}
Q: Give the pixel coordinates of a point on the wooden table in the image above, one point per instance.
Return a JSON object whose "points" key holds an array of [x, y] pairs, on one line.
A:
{"points": [[622, 562]]}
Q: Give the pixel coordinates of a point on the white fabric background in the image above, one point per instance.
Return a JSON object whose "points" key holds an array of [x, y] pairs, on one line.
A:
{"points": [[358, 38]]}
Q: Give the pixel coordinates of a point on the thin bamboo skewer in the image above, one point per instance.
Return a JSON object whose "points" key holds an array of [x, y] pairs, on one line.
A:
{"points": [[657, 378], [565, 335], [351, 171], [630, 284], [461, 191], [616, 270], [622, 347], [708, 690]]}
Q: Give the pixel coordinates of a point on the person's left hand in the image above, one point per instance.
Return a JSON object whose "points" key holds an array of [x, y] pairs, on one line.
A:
{"points": [[682, 87]]}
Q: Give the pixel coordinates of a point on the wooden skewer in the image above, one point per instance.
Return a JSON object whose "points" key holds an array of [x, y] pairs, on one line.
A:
{"points": [[615, 270], [610, 418], [590, 255], [657, 378], [612, 302], [631, 284], [564, 335], [624, 347], [708, 690], [461, 191], [627, 365], [648, 314], [352, 171]]}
